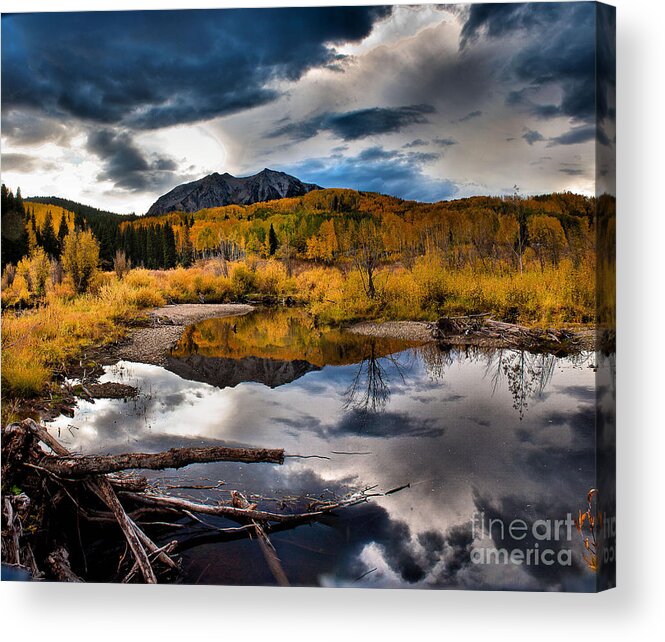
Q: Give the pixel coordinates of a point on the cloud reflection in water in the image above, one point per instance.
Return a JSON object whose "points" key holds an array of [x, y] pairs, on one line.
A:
{"points": [[444, 422]]}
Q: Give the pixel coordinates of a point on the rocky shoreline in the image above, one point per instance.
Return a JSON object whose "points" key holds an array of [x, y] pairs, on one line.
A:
{"points": [[151, 344], [406, 330], [482, 332]]}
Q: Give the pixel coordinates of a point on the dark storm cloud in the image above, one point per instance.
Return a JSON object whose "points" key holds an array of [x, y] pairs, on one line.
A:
{"points": [[499, 19], [434, 557], [580, 392], [378, 170], [508, 508], [606, 76], [458, 545], [470, 116], [575, 136], [546, 462], [424, 157], [127, 166], [532, 136], [444, 142], [375, 153], [560, 50], [353, 125], [385, 425], [152, 69], [419, 142], [567, 59], [379, 153], [368, 122]]}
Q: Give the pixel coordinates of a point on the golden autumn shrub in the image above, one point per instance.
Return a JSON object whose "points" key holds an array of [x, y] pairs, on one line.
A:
{"points": [[80, 258], [272, 280], [243, 280]]}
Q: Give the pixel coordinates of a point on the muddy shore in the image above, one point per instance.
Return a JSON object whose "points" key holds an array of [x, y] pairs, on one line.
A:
{"points": [[151, 344], [406, 330]]}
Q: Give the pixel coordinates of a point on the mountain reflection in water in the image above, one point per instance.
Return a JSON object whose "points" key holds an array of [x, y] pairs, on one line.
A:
{"points": [[273, 347], [507, 433]]}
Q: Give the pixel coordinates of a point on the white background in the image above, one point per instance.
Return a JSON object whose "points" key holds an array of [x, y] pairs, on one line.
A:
{"points": [[632, 611]]}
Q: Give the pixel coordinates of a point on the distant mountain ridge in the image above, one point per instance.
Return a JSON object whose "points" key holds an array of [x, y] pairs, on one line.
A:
{"points": [[216, 190]]}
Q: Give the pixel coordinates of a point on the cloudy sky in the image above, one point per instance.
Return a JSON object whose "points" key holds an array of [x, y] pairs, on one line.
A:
{"points": [[422, 102]]}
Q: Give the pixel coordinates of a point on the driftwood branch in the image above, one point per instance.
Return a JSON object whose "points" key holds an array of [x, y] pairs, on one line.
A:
{"points": [[58, 562], [70, 466], [481, 330], [267, 548], [233, 512], [101, 486], [104, 490], [87, 480]]}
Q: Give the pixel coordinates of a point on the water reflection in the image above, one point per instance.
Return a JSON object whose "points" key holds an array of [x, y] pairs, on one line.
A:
{"points": [[510, 434], [273, 347], [369, 391], [526, 375]]}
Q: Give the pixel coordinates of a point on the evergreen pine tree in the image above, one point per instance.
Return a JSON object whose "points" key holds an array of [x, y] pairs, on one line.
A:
{"points": [[49, 241], [18, 203], [79, 221], [131, 245], [169, 247], [272, 241], [140, 244], [63, 230], [187, 250], [13, 228], [4, 200], [150, 248]]}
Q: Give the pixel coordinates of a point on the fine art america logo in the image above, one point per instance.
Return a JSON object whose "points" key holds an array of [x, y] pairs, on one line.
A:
{"points": [[545, 541], [538, 537]]}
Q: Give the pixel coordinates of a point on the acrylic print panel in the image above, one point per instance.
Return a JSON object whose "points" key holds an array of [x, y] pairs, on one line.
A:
{"points": [[310, 296]]}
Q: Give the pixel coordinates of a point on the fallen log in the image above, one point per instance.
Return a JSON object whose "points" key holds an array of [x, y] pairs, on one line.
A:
{"points": [[483, 331], [128, 482], [72, 466], [58, 562], [267, 548], [101, 486], [102, 494], [232, 512], [104, 490]]}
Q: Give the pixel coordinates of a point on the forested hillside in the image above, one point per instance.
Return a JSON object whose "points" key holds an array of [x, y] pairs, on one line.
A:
{"points": [[325, 227], [104, 225], [345, 255]]}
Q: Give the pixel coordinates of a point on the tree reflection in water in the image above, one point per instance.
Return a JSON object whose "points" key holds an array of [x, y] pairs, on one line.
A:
{"points": [[369, 390], [525, 374]]}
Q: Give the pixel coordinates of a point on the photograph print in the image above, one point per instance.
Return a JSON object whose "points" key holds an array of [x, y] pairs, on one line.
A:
{"points": [[314, 296]]}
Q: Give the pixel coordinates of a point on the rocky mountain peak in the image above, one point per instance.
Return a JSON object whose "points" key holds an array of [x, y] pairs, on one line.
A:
{"points": [[216, 190]]}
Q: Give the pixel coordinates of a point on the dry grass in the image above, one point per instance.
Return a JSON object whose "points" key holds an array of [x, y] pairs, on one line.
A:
{"points": [[554, 296], [38, 340]]}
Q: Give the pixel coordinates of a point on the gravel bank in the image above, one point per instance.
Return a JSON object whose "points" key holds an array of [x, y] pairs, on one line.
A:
{"points": [[406, 330], [579, 340], [151, 345]]}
